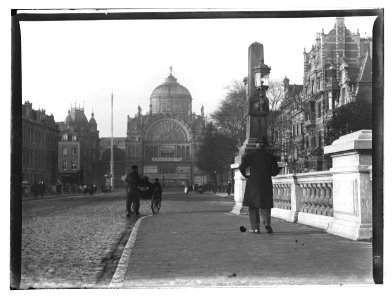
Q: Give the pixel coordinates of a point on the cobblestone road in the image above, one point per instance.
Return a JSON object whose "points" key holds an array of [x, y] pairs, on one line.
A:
{"points": [[193, 241], [72, 242]]}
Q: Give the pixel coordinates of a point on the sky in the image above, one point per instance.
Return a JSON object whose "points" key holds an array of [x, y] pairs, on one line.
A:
{"points": [[84, 62]]}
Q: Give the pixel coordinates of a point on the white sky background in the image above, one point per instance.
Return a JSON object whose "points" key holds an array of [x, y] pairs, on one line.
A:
{"points": [[82, 62]]}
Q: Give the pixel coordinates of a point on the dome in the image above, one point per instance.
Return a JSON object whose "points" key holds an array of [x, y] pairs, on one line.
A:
{"points": [[171, 97], [69, 119], [92, 120]]}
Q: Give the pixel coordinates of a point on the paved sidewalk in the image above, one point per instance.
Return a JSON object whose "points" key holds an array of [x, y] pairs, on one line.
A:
{"points": [[206, 248]]}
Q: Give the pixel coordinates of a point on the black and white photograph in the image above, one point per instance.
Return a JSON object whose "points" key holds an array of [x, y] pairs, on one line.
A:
{"points": [[196, 148]]}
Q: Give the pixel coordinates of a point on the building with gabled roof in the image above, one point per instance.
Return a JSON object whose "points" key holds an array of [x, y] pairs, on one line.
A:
{"points": [[78, 148], [337, 71]]}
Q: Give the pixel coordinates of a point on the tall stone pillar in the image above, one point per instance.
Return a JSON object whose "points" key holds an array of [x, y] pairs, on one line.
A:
{"points": [[352, 188], [256, 128]]}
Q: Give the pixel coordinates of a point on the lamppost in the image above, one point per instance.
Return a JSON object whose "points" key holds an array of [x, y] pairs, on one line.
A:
{"points": [[258, 103], [257, 110]]}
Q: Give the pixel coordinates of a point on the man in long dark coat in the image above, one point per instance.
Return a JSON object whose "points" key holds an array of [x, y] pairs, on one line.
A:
{"points": [[258, 191], [132, 181]]}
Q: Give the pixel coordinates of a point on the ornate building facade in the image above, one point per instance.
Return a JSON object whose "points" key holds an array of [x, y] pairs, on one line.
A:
{"points": [[164, 142], [337, 70], [39, 145], [78, 148]]}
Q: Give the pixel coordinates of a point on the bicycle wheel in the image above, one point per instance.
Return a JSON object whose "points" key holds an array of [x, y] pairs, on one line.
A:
{"points": [[155, 202]]}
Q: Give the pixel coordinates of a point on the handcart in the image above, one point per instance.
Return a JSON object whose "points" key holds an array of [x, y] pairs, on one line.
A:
{"points": [[150, 194]]}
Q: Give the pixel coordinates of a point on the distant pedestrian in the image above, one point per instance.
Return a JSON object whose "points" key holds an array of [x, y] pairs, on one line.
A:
{"points": [[157, 184], [42, 188], [258, 190], [132, 181], [35, 188], [186, 190], [58, 188], [228, 188]]}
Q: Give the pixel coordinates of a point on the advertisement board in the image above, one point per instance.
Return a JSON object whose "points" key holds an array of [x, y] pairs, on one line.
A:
{"points": [[165, 176], [183, 169], [150, 169], [166, 159]]}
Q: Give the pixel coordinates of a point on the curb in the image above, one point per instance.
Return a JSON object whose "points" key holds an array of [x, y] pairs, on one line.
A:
{"points": [[121, 270]]}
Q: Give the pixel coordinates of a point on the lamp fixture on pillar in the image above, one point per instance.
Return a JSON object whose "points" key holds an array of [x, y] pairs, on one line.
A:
{"points": [[261, 79]]}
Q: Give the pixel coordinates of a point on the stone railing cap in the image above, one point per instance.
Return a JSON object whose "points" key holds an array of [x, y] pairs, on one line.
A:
{"points": [[235, 166], [361, 139]]}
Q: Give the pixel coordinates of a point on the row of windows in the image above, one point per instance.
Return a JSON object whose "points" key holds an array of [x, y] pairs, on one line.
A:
{"points": [[33, 159], [33, 136], [67, 137], [297, 129], [74, 165], [317, 141], [320, 111], [74, 151], [313, 87]]}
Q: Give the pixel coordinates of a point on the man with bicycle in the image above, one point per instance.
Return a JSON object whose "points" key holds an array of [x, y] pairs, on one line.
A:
{"points": [[132, 181]]}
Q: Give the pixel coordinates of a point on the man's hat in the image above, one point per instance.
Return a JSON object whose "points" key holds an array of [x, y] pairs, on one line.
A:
{"points": [[134, 167]]}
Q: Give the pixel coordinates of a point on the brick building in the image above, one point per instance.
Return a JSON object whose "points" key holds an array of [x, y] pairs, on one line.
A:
{"points": [[337, 70], [78, 148], [39, 145]]}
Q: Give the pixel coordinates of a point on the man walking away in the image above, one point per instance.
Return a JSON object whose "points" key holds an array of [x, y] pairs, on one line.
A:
{"points": [[132, 181], [258, 190]]}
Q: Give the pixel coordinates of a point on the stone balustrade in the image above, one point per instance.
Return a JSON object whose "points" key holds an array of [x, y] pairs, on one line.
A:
{"points": [[317, 194], [315, 191], [305, 196], [338, 200], [282, 195]]}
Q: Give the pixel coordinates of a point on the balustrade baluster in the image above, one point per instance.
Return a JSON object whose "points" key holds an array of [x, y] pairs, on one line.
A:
{"points": [[322, 202], [274, 194], [288, 196], [312, 198], [306, 193], [330, 198], [317, 202]]}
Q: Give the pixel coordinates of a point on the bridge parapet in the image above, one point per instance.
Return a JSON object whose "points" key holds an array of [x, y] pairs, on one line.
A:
{"points": [[338, 200]]}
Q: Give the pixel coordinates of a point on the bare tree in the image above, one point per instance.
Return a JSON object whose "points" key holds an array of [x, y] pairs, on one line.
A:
{"points": [[276, 95], [230, 116]]}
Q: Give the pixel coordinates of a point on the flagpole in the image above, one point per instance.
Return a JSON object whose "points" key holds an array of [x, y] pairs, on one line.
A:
{"points": [[111, 149]]}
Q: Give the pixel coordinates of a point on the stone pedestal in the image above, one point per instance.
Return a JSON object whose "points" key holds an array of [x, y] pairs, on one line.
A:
{"points": [[352, 191], [239, 190]]}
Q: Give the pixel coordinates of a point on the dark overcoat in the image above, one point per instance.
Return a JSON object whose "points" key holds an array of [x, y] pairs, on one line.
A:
{"points": [[258, 191], [132, 182]]}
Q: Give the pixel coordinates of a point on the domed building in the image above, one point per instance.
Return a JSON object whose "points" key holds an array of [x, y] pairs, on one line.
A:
{"points": [[164, 143]]}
